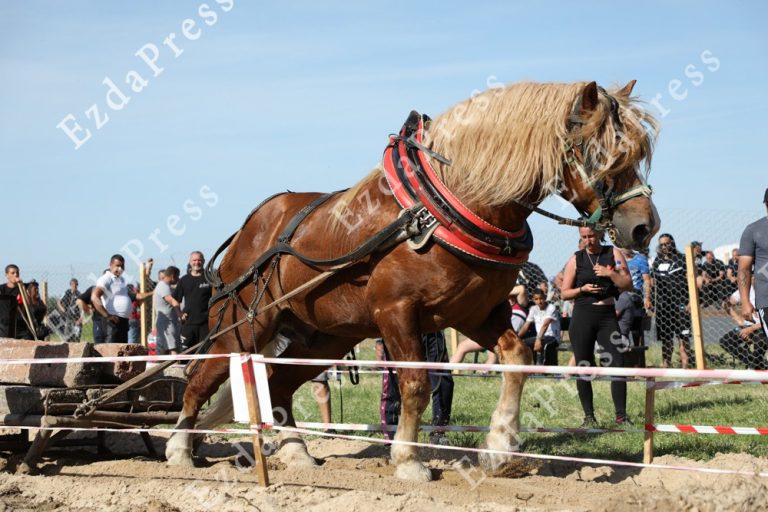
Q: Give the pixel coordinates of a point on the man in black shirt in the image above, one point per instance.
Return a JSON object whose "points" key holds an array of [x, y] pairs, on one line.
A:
{"points": [[712, 280], [10, 317], [195, 292], [671, 303]]}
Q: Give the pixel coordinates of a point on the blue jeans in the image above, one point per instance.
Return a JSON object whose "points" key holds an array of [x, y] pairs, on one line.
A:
{"points": [[133, 331]]}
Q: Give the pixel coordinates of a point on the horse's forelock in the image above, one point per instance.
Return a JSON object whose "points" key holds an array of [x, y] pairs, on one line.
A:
{"points": [[617, 147]]}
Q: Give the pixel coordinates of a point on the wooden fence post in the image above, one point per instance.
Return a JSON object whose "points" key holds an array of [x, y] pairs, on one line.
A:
{"points": [[44, 292], [254, 413], [650, 399], [453, 341], [693, 295], [143, 306]]}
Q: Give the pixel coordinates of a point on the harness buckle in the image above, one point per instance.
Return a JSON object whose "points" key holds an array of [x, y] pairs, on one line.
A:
{"points": [[423, 224], [424, 218]]}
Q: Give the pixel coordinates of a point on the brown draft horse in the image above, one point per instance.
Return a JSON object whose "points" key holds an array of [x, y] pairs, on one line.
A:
{"points": [[510, 148]]}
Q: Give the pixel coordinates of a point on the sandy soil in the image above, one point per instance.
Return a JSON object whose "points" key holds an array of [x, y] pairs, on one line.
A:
{"points": [[356, 476]]}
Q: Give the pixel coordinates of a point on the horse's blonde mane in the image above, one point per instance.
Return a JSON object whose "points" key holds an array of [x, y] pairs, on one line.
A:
{"points": [[509, 143]]}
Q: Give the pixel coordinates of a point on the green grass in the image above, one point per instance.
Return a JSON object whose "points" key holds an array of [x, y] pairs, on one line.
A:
{"points": [[553, 403]]}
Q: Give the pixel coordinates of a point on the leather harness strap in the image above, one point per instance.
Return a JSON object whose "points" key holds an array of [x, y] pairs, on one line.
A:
{"points": [[412, 179]]}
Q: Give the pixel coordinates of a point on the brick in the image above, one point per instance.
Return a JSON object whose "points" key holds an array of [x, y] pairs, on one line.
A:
{"points": [[50, 375]]}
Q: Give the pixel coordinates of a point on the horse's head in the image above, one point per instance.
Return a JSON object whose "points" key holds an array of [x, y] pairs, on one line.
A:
{"points": [[609, 139]]}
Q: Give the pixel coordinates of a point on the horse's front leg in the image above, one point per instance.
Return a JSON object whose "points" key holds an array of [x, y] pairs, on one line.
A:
{"points": [[202, 385], [404, 344], [505, 422], [414, 397]]}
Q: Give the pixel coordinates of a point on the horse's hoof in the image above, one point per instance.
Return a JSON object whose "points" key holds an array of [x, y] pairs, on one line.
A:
{"points": [[26, 469], [496, 464], [179, 458], [296, 455], [414, 471]]}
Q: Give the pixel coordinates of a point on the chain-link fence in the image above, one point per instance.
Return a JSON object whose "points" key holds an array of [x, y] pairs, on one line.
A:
{"points": [[663, 311]]}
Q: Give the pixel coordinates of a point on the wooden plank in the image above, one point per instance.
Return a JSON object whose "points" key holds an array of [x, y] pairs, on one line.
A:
{"points": [[51, 375], [650, 400], [693, 295]]}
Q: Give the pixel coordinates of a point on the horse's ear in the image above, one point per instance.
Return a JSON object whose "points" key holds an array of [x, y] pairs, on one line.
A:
{"points": [[589, 97], [627, 89]]}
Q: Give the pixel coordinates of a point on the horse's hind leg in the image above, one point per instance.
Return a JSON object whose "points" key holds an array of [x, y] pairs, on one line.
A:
{"points": [[404, 344], [203, 384], [505, 422]]}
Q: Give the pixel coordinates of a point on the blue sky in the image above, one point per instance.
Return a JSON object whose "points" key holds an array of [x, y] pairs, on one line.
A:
{"points": [[301, 95]]}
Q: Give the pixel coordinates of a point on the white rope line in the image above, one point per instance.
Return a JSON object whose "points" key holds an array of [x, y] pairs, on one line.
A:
{"points": [[578, 371]]}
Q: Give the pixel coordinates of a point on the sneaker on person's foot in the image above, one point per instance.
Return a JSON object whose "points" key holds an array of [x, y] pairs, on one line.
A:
{"points": [[624, 421], [589, 422]]}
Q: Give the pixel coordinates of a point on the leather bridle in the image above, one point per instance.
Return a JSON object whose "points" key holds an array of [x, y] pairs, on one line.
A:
{"points": [[576, 158]]}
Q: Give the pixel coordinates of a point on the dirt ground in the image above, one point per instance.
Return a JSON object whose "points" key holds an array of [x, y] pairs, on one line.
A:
{"points": [[356, 476]]}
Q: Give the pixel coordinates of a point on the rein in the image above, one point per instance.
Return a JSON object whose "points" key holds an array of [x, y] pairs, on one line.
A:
{"points": [[410, 223], [600, 218]]}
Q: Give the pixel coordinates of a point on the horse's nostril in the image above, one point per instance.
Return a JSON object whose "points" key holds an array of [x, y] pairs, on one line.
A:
{"points": [[640, 233]]}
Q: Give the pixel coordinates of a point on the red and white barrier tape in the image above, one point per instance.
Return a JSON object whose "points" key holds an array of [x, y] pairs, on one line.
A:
{"points": [[684, 429], [577, 371], [304, 431], [109, 359], [316, 428], [707, 429], [682, 384], [337, 374], [528, 455], [363, 427], [580, 371]]}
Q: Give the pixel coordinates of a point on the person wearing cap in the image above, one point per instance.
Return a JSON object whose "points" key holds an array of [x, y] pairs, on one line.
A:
{"points": [[753, 259]]}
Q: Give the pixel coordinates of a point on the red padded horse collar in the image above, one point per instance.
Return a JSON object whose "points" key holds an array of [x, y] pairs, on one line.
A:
{"points": [[412, 180]]}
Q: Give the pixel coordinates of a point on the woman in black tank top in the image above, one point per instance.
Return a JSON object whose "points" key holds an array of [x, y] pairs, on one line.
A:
{"points": [[593, 278]]}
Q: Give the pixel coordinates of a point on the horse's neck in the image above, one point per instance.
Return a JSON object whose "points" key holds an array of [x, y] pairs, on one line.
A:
{"points": [[510, 217]]}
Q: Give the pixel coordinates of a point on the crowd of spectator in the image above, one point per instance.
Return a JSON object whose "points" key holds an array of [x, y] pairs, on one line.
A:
{"points": [[178, 307]]}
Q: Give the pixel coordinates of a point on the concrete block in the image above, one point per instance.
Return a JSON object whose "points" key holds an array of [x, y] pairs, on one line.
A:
{"points": [[50, 375]]}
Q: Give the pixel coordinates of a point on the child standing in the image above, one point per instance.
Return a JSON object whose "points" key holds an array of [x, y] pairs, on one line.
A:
{"points": [[168, 313]]}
